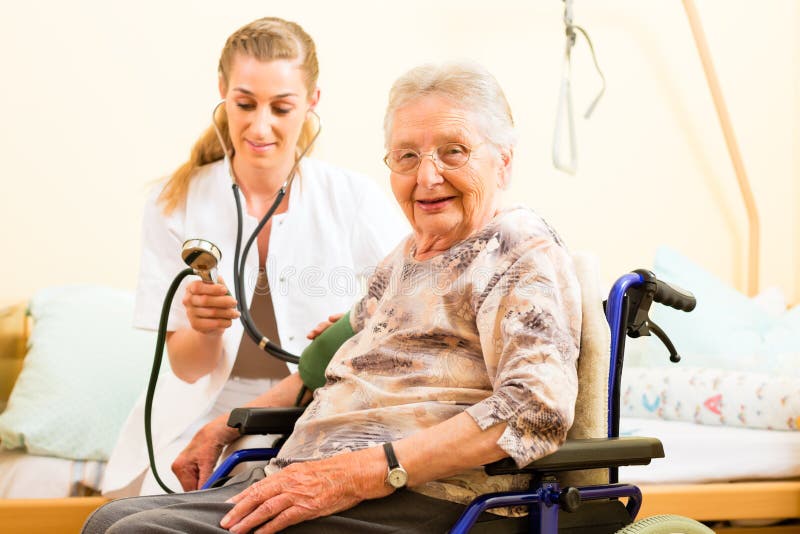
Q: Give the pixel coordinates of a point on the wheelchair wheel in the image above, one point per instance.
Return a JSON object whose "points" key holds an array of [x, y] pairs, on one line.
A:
{"points": [[666, 524]]}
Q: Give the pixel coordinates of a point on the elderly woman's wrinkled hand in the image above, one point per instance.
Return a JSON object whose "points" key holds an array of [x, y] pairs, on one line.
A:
{"points": [[307, 490]]}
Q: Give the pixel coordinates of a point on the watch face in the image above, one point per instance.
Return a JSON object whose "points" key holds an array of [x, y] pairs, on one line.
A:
{"points": [[397, 477]]}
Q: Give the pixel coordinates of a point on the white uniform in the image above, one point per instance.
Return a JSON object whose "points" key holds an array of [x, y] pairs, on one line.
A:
{"points": [[338, 226]]}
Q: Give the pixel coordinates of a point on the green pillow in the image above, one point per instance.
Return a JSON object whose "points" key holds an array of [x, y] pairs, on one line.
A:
{"points": [[84, 369]]}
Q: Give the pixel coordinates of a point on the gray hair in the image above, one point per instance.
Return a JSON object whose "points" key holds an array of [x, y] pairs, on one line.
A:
{"points": [[470, 87]]}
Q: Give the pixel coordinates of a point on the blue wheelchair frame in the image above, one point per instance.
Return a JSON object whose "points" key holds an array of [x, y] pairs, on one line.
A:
{"points": [[546, 497]]}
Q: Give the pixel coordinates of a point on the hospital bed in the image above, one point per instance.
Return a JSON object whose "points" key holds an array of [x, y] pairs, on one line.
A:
{"points": [[732, 446], [720, 474], [20, 473], [53, 355]]}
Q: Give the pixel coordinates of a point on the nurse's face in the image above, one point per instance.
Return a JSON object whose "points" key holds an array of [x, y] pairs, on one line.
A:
{"points": [[267, 103]]}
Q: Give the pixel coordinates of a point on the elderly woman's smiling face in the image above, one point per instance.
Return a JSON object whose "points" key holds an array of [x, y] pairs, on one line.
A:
{"points": [[445, 206]]}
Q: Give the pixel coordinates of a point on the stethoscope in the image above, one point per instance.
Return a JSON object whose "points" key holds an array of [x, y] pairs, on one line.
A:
{"points": [[202, 257], [239, 266]]}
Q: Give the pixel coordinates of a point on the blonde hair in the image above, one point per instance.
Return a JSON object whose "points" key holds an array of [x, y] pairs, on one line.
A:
{"points": [[468, 85], [265, 39]]}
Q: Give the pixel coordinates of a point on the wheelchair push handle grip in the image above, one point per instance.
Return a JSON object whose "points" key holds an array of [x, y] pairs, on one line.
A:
{"points": [[674, 296]]}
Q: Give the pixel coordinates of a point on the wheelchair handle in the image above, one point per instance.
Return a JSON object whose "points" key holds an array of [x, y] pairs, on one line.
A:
{"points": [[667, 294], [674, 297]]}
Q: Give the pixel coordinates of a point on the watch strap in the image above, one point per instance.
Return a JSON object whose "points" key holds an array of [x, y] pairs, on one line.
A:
{"points": [[390, 456]]}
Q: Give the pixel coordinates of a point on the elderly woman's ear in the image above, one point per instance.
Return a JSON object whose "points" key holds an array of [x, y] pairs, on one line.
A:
{"points": [[504, 174]]}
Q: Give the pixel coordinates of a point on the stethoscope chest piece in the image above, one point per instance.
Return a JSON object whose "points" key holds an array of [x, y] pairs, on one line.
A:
{"points": [[202, 256]]}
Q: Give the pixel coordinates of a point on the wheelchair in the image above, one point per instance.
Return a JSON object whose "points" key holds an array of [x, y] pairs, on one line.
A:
{"points": [[575, 489]]}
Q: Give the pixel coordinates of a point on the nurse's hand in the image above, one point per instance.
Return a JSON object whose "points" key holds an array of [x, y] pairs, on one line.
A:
{"points": [[321, 327], [196, 462], [210, 307]]}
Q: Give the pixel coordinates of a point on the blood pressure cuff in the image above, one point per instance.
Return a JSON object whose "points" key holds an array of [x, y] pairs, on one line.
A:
{"points": [[318, 354]]}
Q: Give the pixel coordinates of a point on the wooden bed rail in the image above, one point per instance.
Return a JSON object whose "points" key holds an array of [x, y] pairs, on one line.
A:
{"points": [[724, 501], [47, 516]]}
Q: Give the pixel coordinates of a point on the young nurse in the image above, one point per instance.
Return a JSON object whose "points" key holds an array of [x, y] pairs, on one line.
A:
{"points": [[332, 226]]}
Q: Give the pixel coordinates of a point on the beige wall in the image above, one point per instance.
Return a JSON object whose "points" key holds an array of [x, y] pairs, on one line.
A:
{"points": [[100, 98]]}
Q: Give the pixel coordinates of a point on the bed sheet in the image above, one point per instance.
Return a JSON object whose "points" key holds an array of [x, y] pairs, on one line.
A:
{"points": [[26, 476], [709, 453]]}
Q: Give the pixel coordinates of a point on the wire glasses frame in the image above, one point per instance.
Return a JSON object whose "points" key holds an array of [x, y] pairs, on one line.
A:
{"points": [[449, 156]]}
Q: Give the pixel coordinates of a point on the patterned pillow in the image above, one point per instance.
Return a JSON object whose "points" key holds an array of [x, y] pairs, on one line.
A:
{"points": [[84, 368], [712, 397]]}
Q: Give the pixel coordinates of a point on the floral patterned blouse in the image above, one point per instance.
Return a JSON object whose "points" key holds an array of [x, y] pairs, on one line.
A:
{"points": [[490, 327]]}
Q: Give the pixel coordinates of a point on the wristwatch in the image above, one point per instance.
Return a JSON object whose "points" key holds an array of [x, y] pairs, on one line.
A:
{"points": [[396, 476]]}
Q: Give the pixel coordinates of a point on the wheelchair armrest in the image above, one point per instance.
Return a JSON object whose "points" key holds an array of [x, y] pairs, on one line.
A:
{"points": [[264, 420], [592, 453]]}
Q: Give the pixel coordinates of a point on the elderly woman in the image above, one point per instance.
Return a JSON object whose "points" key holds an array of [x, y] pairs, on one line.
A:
{"points": [[465, 349]]}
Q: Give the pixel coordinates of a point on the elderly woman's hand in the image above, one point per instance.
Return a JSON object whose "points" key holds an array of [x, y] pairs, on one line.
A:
{"points": [[307, 490]]}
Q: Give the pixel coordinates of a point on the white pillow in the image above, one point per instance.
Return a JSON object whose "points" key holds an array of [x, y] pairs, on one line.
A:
{"points": [[727, 330], [85, 367]]}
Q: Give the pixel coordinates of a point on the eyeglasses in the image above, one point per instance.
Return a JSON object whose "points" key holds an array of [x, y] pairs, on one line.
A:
{"points": [[449, 156]]}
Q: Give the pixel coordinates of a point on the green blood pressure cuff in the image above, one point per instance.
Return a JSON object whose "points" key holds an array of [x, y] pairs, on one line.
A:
{"points": [[318, 354]]}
